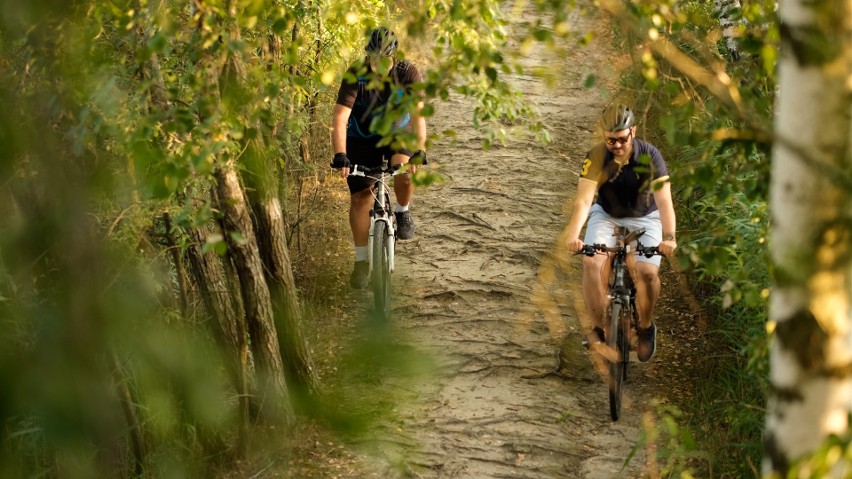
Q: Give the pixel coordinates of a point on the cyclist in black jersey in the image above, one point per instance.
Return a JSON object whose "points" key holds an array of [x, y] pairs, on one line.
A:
{"points": [[624, 182], [370, 99]]}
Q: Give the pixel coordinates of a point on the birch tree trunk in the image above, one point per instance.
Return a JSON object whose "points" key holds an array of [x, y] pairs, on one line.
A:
{"points": [[243, 249], [727, 11], [811, 200]]}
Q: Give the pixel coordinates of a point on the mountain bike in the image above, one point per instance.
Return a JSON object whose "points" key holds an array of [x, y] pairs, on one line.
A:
{"points": [[380, 244], [623, 316]]}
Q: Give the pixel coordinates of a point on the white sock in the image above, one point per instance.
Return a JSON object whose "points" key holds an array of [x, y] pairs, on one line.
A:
{"points": [[360, 253], [401, 209]]}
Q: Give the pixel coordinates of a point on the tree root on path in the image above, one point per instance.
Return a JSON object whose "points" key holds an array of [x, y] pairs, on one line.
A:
{"points": [[475, 220], [515, 198]]}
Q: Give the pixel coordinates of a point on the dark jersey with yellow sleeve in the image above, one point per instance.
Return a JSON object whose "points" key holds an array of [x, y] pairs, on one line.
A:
{"points": [[625, 191]]}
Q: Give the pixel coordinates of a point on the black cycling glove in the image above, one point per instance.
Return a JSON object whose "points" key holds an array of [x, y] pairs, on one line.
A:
{"points": [[340, 161], [418, 158]]}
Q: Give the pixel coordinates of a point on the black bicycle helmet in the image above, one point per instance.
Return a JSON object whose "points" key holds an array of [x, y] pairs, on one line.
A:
{"points": [[617, 117], [382, 41]]}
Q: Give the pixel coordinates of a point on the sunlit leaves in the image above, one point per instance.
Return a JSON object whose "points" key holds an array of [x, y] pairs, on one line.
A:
{"points": [[833, 456], [472, 55], [426, 178]]}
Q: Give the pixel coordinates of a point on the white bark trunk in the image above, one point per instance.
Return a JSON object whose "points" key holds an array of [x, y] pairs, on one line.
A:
{"points": [[811, 357], [729, 20]]}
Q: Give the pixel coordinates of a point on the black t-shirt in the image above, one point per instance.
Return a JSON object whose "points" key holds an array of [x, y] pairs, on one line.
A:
{"points": [[368, 102], [624, 191]]}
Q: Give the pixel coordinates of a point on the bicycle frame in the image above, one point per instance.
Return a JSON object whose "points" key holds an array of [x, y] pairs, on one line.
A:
{"points": [[381, 212], [621, 288]]}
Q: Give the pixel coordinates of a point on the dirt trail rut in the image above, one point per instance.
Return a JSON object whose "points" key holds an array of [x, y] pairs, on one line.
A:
{"points": [[473, 290]]}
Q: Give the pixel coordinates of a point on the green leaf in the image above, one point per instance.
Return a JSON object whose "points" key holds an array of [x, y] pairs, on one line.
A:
{"points": [[542, 34], [769, 55], [236, 46], [491, 73], [157, 43], [279, 26], [426, 178], [238, 237]]}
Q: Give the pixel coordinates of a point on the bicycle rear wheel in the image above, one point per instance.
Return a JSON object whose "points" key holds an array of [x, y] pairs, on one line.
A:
{"points": [[381, 270], [617, 369]]}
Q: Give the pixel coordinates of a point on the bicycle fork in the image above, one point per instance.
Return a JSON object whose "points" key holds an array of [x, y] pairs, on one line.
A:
{"points": [[390, 239]]}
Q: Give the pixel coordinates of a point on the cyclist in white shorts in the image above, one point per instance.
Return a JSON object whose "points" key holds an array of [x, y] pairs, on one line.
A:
{"points": [[624, 182]]}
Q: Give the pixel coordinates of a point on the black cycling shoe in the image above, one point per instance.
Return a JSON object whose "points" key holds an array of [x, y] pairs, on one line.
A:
{"points": [[646, 345], [404, 225], [600, 333], [360, 277]]}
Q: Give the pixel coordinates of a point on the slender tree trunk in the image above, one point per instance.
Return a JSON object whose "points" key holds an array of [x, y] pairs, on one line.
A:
{"points": [[728, 12], [243, 249], [272, 238], [150, 71], [216, 294], [272, 243], [811, 197], [294, 38], [128, 406], [176, 259]]}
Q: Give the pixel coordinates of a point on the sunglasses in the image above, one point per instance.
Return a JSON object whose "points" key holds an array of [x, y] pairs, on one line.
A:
{"points": [[620, 140]]}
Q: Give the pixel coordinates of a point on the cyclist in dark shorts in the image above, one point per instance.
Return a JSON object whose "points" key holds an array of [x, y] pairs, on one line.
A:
{"points": [[367, 97], [624, 182]]}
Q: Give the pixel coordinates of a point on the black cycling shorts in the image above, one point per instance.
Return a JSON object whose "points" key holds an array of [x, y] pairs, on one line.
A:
{"points": [[363, 151]]}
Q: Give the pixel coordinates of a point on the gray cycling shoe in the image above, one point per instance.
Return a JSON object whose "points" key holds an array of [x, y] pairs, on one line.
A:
{"points": [[646, 345], [360, 277], [404, 225]]}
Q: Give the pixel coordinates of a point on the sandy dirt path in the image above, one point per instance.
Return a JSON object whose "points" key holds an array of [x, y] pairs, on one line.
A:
{"points": [[481, 290]]}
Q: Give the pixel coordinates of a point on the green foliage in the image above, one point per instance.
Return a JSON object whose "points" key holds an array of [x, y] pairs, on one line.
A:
{"points": [[671, 449], [119, 111], [471, 56], [831, 459]]}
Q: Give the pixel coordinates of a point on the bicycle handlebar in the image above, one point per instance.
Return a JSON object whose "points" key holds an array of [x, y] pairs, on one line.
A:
{"points": [[360, 170], [341, 161], [593, 249]]}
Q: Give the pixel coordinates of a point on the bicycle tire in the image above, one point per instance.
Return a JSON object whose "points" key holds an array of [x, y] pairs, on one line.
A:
{"points": [[632, 323], [615, 340], [381, 270]]}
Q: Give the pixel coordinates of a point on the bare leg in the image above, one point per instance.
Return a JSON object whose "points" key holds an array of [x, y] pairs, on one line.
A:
{"points": [[403, 188], [594, 288], [359, 216], [647, 283]]}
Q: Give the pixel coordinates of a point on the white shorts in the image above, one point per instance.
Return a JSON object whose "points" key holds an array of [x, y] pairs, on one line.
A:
{"points": [[601, 225]]}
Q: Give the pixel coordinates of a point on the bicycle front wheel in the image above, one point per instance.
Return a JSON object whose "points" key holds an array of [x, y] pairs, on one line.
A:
{"points": [[381, 270], [615, 340]]}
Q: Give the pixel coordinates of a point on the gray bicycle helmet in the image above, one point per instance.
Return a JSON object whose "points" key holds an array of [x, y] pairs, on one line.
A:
{"points": [[617, 117], [382, 41]]}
